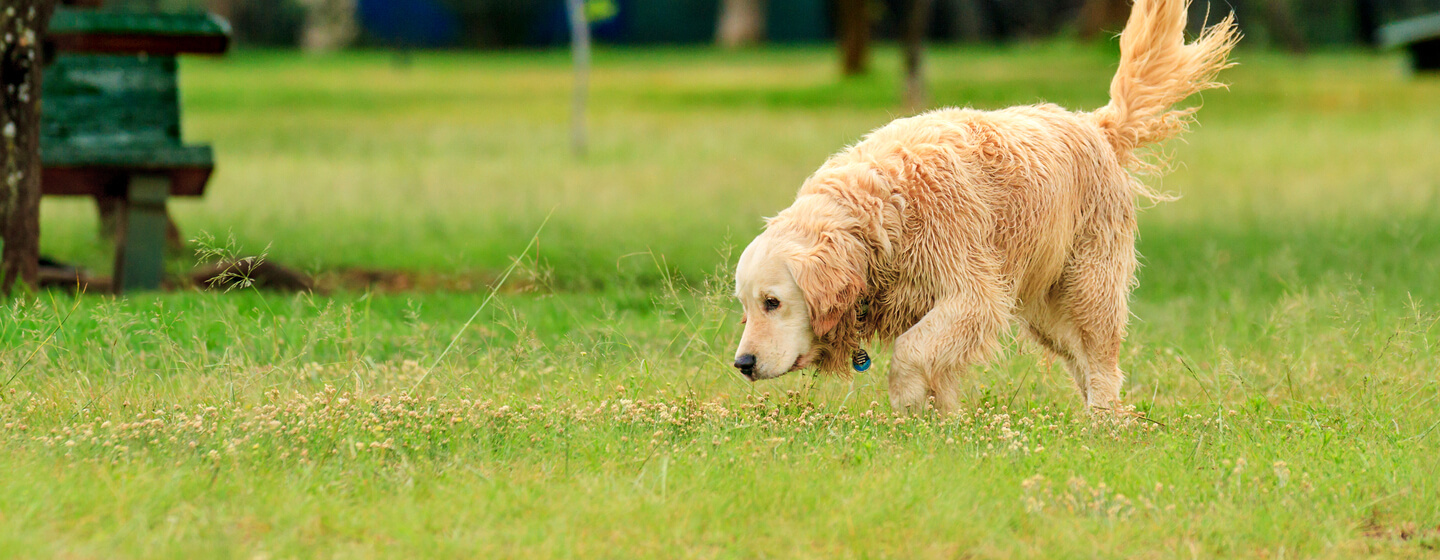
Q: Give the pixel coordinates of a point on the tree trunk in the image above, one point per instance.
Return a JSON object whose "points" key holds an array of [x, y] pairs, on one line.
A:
{"points": [[1098, 16], [969, 23], [329, 25], [854, 28], [1281, 24], [915, 27], [1367, 22], [22, 27], [742, 23]]}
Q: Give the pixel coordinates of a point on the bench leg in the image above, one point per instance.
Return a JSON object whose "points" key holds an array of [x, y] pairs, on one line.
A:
{"points": [[111, 207], [140, 251]]}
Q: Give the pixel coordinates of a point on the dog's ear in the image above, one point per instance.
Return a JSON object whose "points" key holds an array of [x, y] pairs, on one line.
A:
{"points": [[831, 273]]}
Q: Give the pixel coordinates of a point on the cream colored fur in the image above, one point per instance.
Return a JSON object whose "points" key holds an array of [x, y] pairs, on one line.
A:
{"points": [[957, 223]]}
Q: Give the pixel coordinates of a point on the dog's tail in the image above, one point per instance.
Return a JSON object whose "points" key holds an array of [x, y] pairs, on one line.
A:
{"points": [[1157, 70]]}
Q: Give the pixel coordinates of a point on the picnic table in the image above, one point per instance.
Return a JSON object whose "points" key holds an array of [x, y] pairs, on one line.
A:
{"points": [[110, 124], [1420, 36]]}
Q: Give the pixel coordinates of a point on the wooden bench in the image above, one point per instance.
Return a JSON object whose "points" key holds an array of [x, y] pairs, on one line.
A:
{"points": [[110, 124], [1420, 36]]}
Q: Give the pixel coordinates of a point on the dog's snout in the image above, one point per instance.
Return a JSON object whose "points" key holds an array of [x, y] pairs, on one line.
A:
{"points": [[746, 364]]}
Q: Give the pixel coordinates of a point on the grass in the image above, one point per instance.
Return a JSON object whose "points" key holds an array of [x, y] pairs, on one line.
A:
{"points": [[1284, 340]]}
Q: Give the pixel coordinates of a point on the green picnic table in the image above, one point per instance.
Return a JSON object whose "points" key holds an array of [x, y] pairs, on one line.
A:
{"points": [[1421, 38], [110, 124]]}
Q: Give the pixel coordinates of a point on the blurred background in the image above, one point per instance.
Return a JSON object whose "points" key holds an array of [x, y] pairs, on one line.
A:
{"points": [[490, 24], [420, 143]]}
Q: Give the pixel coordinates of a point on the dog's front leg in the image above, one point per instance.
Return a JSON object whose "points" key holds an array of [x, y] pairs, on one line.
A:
{"points": [[931, 357]]}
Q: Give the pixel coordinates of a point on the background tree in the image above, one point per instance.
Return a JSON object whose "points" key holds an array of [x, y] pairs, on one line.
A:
{"points": [[22, 28], [1367, 22], [1279, 21], [854, 35], [1275, 18], [742, 22], [916, 24], [1098, 16], [329, 25]]}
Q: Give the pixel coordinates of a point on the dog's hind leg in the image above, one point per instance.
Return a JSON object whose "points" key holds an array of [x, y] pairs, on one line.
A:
{"points": [[1094, 295], [931, 357]]}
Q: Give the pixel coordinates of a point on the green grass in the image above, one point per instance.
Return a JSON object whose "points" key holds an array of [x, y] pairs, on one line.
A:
{"points": [[1283, 345]]}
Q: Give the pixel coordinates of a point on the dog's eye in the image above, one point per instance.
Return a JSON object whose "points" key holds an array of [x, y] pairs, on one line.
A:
{"points": [[771, 304]]}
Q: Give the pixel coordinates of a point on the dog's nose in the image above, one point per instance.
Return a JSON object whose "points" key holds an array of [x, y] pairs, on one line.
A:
{"points": [[746, 364]]}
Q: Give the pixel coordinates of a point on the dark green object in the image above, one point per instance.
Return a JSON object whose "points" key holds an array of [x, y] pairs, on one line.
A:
{"points": [[129, 33], [110, 124], [109, 104], [114, 110], [797, 21], [669, 21], [140, 256], [82, 21]]}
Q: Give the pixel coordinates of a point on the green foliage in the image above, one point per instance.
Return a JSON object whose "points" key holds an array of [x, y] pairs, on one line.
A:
{"points": [[1283, 346]]}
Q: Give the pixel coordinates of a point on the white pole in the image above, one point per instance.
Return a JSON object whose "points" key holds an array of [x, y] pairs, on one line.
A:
{"points": [[580, 51]]}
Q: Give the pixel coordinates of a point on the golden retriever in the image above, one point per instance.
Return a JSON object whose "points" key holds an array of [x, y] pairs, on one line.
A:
{"points": [[936, 232]]}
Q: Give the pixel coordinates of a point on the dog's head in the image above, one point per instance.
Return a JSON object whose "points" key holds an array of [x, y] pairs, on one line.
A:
{"points": [[798, 283]]}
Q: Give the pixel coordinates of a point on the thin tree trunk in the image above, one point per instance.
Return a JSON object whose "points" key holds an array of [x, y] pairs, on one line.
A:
{"points": [[916, 26], [742, 23], [854, 30], [1367, 21], [1282, 26], [580, 51], [969, 26], [22, 28], [329, 25], [1098, 16]]}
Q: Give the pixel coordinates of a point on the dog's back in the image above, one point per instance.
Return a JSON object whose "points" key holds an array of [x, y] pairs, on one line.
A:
{"points": [[1009, 189]]}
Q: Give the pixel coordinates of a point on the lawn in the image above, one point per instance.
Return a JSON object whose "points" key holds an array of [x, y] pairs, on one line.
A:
{"points": [[1283, 345]]}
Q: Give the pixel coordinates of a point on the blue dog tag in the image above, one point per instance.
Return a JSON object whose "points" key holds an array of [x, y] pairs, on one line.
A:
{"points": [[860, 360]]}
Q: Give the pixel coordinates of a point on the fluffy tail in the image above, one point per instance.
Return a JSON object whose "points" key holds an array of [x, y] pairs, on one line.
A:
{"points": [[1158, 70]]}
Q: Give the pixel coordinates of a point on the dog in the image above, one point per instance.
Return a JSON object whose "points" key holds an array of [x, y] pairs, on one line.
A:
{"points": [[936, 233]]}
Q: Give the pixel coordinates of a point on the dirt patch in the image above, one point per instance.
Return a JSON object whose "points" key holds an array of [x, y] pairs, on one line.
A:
{"points": [[275, 277], [402, 281], [1409, 532]]}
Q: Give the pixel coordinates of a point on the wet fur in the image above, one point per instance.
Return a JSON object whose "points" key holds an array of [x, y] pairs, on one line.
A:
{"points": [[957, 223]]}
